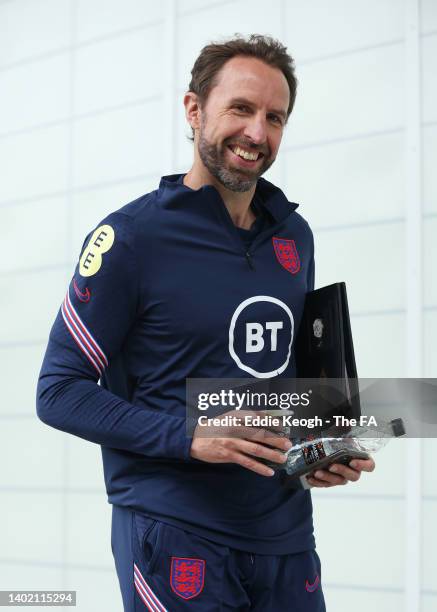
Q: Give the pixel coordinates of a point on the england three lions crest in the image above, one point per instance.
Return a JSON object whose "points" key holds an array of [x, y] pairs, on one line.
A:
{"points": [[187, 576], [286, 254]]}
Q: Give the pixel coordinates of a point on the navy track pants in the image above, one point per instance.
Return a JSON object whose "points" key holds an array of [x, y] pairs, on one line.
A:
{"points": [[164, 568]]}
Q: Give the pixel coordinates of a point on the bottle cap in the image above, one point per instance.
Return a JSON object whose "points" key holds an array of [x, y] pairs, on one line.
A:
{"points": [[398, 427]]}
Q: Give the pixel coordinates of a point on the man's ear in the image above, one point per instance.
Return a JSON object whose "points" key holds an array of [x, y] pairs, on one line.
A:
{"points": [[192, 109]]}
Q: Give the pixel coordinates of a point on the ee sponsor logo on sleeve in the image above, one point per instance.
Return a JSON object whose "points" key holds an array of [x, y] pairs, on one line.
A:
{"points": [[100, 242]]}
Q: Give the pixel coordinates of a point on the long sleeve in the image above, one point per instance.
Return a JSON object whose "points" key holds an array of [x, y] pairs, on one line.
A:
{"points": [[91, 326]]}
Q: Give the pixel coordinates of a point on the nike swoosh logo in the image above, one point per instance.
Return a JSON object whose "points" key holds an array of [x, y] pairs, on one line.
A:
{"points": [[312, 587], [83, 296]]}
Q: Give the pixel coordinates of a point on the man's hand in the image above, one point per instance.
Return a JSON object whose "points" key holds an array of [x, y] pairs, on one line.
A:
{"points": [[240, 444], [339, 474]]}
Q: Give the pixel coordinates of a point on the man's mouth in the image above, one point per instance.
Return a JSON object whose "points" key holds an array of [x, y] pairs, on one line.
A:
{"points": [[244, 154]]}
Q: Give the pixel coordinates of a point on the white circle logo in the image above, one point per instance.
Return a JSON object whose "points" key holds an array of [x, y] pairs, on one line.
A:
{"points": [[257, 330]]}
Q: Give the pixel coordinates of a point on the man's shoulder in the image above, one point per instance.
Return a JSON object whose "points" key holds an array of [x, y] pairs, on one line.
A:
{"points": [[300, 220], [298, 223], [138, 215], [135, 209], [121, 224], [284, 208]]}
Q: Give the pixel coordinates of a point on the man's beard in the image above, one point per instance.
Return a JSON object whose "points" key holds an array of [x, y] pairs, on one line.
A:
{"points": [[235, 179]]}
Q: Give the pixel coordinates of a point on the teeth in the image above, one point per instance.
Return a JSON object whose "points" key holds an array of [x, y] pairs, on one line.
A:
{"points": [[245, 154]]}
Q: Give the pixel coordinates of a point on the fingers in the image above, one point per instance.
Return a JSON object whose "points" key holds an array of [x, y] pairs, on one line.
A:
{"points": [[242, 452], [246, 452], [260, 450], [251, 464], [268, 437], [321, 484], [258, 435], [364, 465], [339, 474], [237, 428], [323, 478], [344, 471]]}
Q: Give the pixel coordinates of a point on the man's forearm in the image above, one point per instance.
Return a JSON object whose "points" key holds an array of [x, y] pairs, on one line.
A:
{"points": [[81, 407]]}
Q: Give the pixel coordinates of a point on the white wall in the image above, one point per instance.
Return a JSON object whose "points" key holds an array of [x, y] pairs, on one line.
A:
{"points": [[91, 117]]}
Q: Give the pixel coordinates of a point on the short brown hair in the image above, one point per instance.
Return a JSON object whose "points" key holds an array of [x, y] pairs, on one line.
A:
{"points": [[214, 56]]}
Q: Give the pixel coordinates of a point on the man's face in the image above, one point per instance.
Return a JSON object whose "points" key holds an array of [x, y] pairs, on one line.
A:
{"points": [[245, 113]]}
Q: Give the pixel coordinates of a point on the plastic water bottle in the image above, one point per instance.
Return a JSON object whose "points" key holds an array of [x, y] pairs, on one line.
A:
{"points": [[308, 454]]}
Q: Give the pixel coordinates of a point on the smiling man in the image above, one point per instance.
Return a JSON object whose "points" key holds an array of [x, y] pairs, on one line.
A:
{"points": [[238, 136], [204, 277]]}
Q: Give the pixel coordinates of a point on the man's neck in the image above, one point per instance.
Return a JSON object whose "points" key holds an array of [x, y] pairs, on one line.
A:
{"points": [[237, 203]]}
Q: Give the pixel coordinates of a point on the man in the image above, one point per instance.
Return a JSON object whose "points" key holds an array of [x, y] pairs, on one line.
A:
{"points": [[187, 281]]}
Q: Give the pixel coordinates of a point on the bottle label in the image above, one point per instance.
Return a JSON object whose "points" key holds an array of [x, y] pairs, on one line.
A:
{"points": [[313, 452]]}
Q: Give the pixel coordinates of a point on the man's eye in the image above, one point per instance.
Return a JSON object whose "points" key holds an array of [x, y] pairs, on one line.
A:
{"points": [[276, 118], [241, 108]]}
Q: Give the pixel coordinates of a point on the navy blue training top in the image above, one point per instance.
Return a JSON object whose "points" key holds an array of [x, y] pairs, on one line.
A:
{"points": [[261, 222], [165, 289]]}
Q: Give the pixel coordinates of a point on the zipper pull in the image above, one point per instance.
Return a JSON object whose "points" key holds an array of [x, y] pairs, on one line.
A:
{"points": [[249, 260]]}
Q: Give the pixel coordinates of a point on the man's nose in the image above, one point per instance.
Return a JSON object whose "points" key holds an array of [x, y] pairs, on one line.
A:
{"points": [[256, 129]]}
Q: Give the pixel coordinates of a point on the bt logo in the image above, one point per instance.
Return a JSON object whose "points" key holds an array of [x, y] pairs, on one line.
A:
{"points": [[261, 331], [255, 332]]}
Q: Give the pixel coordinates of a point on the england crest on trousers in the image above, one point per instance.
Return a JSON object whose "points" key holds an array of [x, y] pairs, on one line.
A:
{"points": [[187, 576]]}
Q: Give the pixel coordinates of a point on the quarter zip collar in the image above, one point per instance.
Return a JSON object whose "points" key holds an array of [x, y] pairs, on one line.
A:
{"points": [[270, 196]]}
